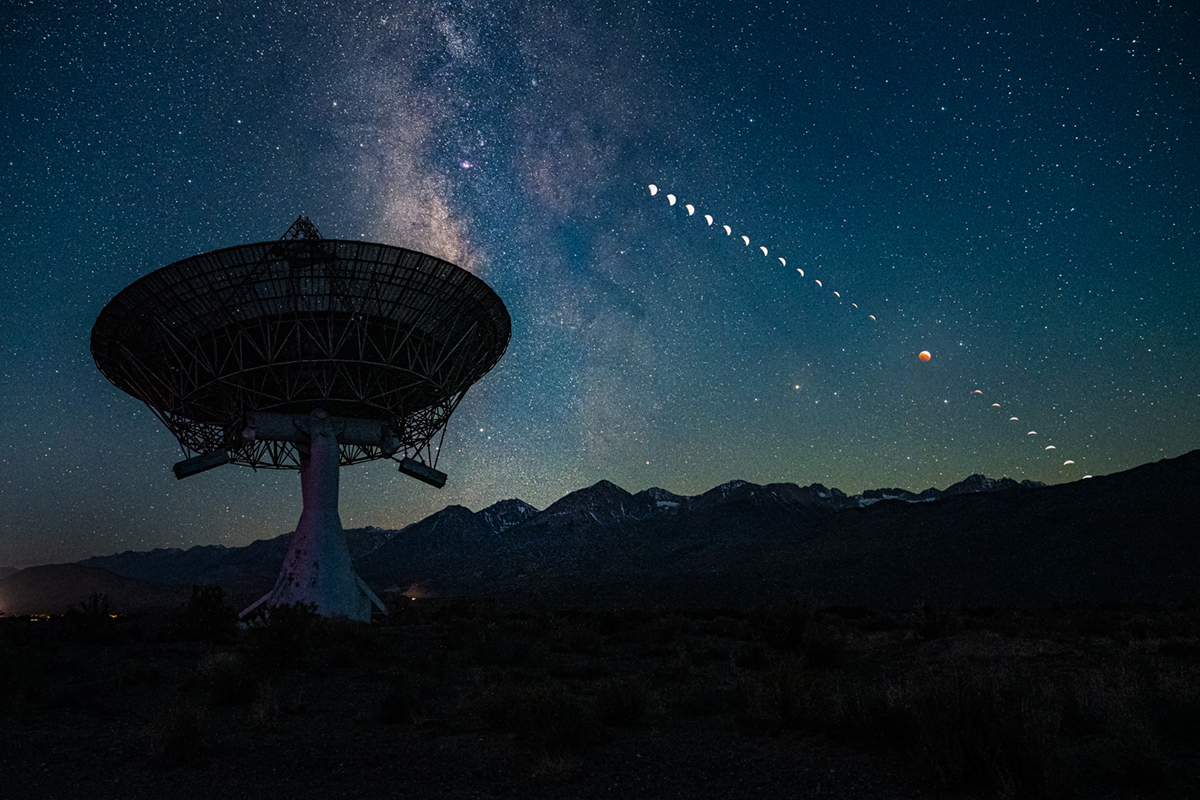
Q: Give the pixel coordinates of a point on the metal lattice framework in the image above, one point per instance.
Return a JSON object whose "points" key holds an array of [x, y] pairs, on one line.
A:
{"points": [[366, 331]]}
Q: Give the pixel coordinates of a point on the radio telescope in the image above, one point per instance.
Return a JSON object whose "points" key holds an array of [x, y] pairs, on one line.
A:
{"points": [[305, 353]]}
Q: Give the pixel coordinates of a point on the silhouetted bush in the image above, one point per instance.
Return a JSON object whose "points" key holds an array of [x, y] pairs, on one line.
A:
{"points": [[21, 665], [931, 621], [281, 636], [823, 641], [228, 678], [266, 706], [574, 635], [985, 729], [622, 701], [782, 696], [782, 627], [174, 736], [546, 716], [206, 617], [399, 705], [753, 656], [94, 619]]}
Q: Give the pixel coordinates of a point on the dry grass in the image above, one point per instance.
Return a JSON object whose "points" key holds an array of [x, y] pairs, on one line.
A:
{"points": [[1090, 701]]}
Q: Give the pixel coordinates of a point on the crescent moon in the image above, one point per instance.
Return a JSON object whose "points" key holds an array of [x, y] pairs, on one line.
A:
{"points": [[653, 190]]}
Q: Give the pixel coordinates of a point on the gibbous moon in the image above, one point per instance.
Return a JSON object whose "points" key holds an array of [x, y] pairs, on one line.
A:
{"points": [[924, 355]]}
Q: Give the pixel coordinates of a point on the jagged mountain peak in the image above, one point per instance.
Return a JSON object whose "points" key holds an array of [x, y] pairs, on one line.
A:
{"points": [[981, 483], [501, 516], [659, 496], [601, 494]]}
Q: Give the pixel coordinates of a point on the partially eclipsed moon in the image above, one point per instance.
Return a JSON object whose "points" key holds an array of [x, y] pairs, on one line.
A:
{"points": [[924, 355]]}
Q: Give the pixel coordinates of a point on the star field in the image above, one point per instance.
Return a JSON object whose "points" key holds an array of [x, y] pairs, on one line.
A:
{"points": [[1013, 187]]}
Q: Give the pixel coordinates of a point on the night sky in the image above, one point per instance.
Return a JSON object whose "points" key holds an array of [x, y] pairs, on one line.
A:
{"points": [[1012, 186]]}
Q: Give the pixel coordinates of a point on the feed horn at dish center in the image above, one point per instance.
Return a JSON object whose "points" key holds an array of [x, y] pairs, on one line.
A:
{"points": [[309, 354]]}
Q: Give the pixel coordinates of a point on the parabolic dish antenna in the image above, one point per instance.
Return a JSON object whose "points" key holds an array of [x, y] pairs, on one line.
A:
{"points": [[305, 353]]}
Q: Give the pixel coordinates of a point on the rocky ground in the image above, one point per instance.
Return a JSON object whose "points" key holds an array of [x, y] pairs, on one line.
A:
{"points": [[456, 699]]}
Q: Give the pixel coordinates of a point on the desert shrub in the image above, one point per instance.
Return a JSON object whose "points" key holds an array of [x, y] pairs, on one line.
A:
{"points": [[491, 644], [797, 628], [725, 626], [1100, 700], [546, 716], [709, 648], [174, 736], [823, 641], [465, 612], [622, 701], [281, 636], [266, 706], [1132, 759], [21, 666], [94, 619], [577, 668], [783, 696], [550, 767], [987, 729], [931, 621], [663, 630], [206, 617], [228, 678], [574, 636], [343, 643], [1174, 702], [753, 656], [781, 627], [700, 697], [857, 707], [399, 704]]}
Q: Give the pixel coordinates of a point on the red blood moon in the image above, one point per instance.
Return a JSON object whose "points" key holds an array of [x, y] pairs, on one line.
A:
{"points": [[924, 355]]}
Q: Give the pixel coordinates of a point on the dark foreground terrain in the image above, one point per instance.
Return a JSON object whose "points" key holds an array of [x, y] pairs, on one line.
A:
{"points": [[458, 699]]}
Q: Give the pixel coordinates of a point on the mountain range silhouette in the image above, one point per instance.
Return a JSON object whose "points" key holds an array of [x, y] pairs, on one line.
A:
{"points": [[1129, 536]]}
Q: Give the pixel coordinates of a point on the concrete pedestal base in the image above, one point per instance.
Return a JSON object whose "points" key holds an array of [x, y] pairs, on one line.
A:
{"points": [[317, 568]]}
